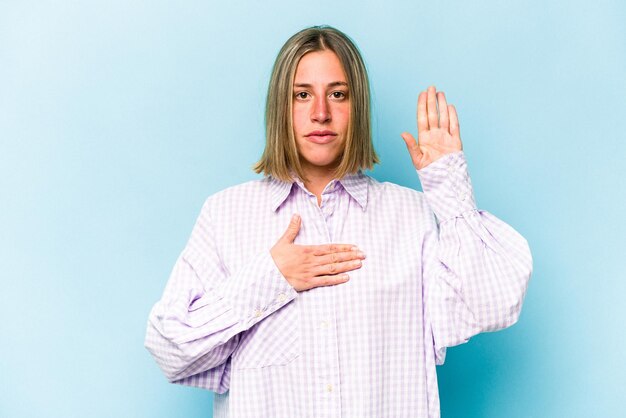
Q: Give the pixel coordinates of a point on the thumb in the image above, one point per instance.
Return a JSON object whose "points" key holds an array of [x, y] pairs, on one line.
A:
{"points": [[413, 147], [293, 229]]}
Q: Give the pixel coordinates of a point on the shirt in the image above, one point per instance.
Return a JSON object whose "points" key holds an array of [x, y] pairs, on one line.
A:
{"points": [[437, 271]]}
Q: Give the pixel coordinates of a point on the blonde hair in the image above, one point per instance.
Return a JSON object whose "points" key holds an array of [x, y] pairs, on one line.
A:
{"points": [[280, 157]]}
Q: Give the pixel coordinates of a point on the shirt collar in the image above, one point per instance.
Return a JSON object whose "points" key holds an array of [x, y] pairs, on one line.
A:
{"points": [[355, 184]]}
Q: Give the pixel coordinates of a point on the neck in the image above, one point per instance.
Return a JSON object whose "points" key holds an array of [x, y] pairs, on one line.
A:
{"points": [[317, 180]]}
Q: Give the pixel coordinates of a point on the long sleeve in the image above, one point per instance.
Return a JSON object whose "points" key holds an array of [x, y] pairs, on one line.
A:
{"points": [[476, 267], [195, 327]]}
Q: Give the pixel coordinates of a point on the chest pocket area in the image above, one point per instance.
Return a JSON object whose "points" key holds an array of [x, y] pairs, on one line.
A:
{"points": [[274, 341]]}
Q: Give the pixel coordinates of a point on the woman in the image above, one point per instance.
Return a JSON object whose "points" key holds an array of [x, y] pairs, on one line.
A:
{"points": [[347, 311]]}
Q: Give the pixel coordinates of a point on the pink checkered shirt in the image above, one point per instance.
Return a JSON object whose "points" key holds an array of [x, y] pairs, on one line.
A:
{"points": [[437, 272]]}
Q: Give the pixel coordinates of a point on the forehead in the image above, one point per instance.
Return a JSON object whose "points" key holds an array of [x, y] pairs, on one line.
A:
{"points": [[321, 67]]}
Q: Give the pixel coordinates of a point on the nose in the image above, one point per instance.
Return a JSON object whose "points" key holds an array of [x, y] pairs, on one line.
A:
{"points": [[320, 112]]}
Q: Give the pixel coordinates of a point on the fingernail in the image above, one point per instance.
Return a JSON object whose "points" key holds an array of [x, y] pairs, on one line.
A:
{"points": [[355, 248], [361, 254], [345, 277]]}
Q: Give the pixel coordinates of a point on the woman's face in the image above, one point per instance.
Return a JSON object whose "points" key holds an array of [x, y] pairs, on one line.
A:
{"points": [[321, 110]]}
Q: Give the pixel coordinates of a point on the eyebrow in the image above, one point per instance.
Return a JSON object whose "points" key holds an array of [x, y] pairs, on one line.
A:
{"points": [[333, 84]]}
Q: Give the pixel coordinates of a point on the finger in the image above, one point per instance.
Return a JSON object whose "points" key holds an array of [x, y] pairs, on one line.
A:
{"points": [[293, 229], [431, 106], [455, 129], [336, 268], [330, 248], [422, 115], [413, 147], [443, 111], [330, 280], [339, 257]]}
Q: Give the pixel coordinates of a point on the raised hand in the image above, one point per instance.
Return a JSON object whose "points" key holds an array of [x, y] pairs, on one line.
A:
{"points": [[437, 129], [309, 266]]}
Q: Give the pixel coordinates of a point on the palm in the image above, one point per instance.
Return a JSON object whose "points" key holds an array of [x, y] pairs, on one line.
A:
{"points": [[436, 143], [438, 130]]}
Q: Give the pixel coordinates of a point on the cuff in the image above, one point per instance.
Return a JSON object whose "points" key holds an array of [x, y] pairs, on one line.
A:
{"points": [[257, 290], [447, 186]]}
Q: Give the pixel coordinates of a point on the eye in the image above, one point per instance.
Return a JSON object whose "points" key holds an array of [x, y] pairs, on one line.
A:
{"points": [[338, 95], [302, 95]]}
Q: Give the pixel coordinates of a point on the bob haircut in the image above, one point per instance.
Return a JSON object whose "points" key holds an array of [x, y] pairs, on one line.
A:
{"points": [[280, 158]]}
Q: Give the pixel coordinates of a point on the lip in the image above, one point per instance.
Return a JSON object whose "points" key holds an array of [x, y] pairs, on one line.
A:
{"points": [[321, 137]]}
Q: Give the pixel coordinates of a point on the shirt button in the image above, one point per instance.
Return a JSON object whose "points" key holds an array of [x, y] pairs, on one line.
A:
{"points": [[324, 324], [329, 388], [258, 313], [282, 297]]}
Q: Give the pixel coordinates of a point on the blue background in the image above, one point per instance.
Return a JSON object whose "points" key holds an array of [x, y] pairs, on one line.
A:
{"points": [[118, 118]]}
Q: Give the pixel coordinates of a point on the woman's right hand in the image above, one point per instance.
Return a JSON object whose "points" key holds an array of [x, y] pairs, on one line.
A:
{"points": [[309, 266]]}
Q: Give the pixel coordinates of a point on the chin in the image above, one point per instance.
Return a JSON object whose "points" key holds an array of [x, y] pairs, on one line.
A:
{"points": [[326, 161]]}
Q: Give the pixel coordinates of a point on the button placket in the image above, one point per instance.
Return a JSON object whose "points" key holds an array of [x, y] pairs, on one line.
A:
{"points": [[328, 207], [327, 382]]}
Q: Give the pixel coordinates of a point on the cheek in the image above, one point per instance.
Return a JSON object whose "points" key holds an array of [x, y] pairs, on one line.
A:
{"points": [[343, 115], [299, 118]]}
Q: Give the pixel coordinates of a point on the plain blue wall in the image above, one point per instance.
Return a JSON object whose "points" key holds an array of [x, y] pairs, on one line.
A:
{"points": [[118, 118]]}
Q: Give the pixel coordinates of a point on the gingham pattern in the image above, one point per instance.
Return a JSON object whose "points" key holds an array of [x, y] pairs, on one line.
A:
{"points": [[229, 322]]}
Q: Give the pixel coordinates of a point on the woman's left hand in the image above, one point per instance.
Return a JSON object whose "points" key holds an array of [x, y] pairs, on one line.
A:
{"points": [[437, 129]]}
